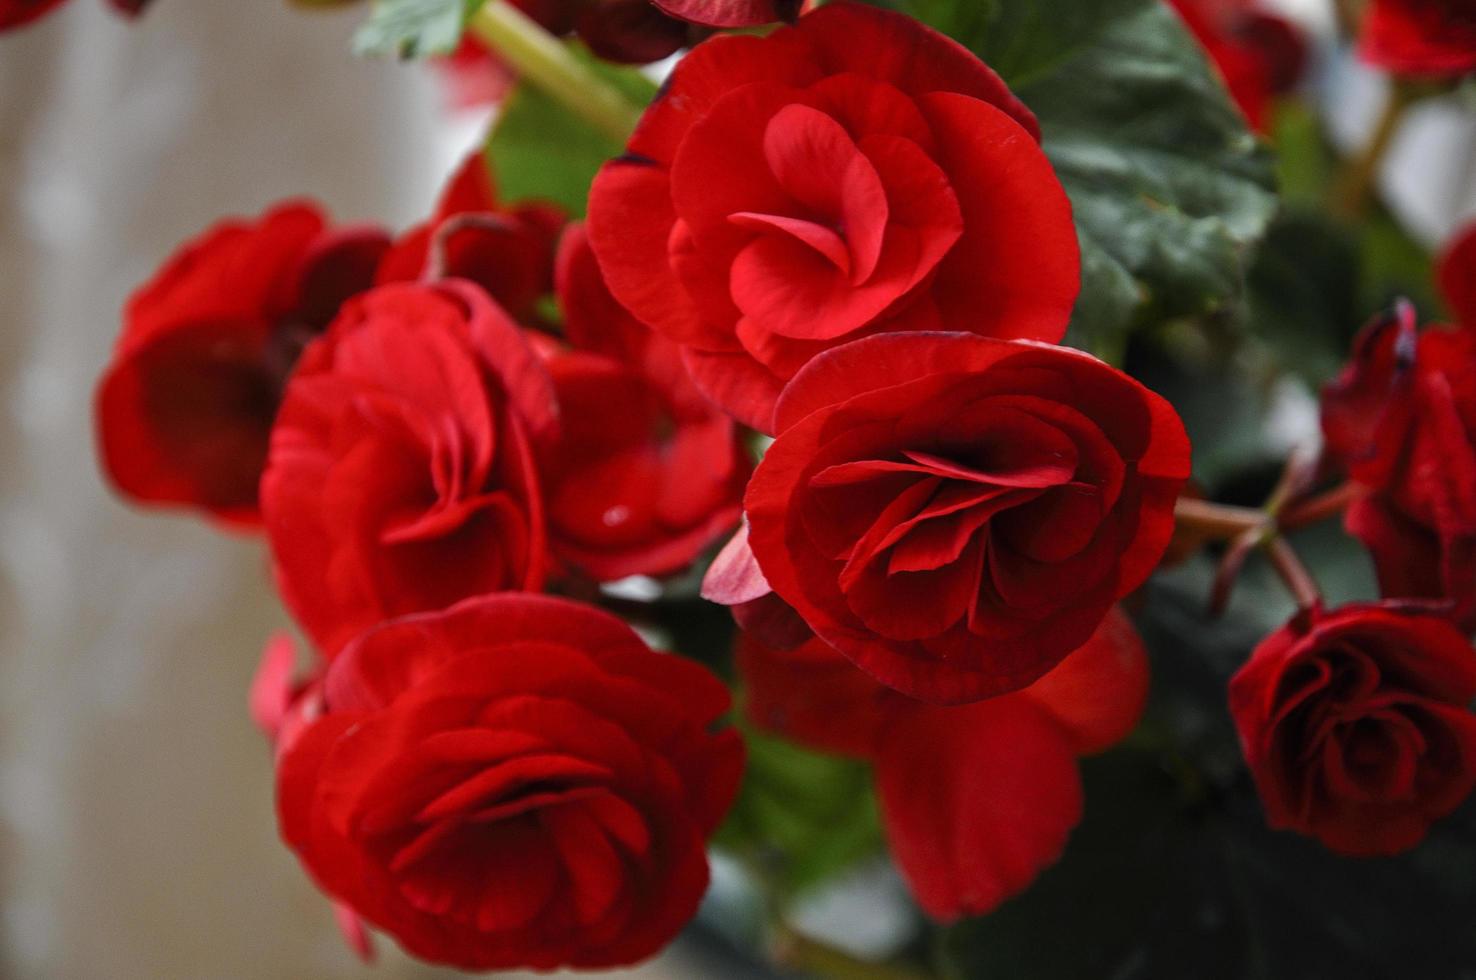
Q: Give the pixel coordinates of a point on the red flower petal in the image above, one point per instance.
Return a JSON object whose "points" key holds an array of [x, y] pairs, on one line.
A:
{"points": [[976, 801], [1098, 693], [1457, 274], [813, 695], [730, 13]]}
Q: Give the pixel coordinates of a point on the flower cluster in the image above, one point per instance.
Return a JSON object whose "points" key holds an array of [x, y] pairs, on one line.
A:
{"points": [[1357, 721], [844, 234], [814, 319], [414, 431]]}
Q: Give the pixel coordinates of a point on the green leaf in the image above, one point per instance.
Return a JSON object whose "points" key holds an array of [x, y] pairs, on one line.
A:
{"points": [[1171, 190], [800, 817], [413, 28], [1023, 40], [1303, 294], [539, 149]]}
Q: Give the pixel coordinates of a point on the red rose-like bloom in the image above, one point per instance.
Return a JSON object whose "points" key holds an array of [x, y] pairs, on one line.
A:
{"points": [[646, 473], [508, 252], [1402, 419], [731, 13], [956, 514], [516, 782], [1260, 55], [401, 474], [633, 32], [854, 174], [185, 409], [1357, 725], [1420, 38], [15, 13], [976, 799]]}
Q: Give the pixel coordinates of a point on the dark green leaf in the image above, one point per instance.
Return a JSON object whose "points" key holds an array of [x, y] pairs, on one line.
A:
{"points": [[539, 149], [1303, 293], [1024, 40], [1171, 190], [413, 28]]}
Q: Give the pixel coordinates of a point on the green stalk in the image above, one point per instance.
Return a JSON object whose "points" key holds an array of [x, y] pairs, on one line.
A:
{"points": [[545, 62], [1355, 186]]}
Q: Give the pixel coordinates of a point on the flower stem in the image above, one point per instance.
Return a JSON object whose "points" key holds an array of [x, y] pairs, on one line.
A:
{"points": [[1220, 522], [1298, 579], [1330, 503], [1354, 186], [802, 953], [545, 62]]}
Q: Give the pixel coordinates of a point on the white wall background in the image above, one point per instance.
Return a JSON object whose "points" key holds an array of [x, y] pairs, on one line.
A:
{"points": [[137, 840]]}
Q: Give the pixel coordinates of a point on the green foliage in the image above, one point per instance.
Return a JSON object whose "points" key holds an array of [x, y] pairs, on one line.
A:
{"points": [[1303, 293], [540, 149], [1171, 191], [413, 28], [1170, 188], [800, 817], [1024, 40]]}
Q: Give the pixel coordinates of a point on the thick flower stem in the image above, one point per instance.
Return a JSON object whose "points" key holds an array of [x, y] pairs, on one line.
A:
{"points": [[545, 62], [1220, 522]]}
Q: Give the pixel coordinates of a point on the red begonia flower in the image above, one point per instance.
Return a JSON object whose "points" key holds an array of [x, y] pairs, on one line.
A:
{"points": [[509, 252], [956, 514], [1357, 725], [401, 476], [814, 696], [1457, 274], [517, 782], [1098, 693], [1402, 419], [1259, 54], [976, 799], [633, 32], [854, 174], [731, 13], [1420, 38], [185, 408], [17, 13], [646, 473]]}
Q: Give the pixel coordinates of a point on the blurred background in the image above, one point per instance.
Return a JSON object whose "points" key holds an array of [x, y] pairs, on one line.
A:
{"points": [[137, 839]]}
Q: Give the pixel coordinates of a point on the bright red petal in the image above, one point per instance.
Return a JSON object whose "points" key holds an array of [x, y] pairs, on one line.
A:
{"points": [[976, 801], [1098, 693]]}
